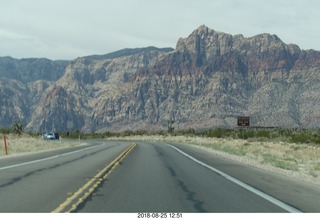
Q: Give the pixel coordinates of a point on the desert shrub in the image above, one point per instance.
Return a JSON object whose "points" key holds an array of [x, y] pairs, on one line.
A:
{"points": [[5, 131], [141, 132], [17, 127], [263, 134], [127, 133], [299, 138], [218, 133], [245, 134], [186, 132]]}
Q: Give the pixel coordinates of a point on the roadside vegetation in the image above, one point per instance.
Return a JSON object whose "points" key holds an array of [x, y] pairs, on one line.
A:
{"points": [[293, 150], [19, 142]]}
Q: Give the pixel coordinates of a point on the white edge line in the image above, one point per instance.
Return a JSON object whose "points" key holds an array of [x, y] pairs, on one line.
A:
{"points": [[48, 158], [242, 184]]}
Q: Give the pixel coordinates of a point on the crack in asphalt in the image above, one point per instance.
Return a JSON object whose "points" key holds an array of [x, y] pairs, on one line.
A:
{"points": [[190, 195]]}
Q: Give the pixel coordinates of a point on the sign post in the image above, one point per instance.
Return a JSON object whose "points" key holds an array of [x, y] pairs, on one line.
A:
{"points": [[5, 144], [243, 121], [69, 124]]}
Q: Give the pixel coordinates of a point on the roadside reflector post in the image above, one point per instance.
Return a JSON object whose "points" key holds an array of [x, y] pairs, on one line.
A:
{"points": [[5, 144]]}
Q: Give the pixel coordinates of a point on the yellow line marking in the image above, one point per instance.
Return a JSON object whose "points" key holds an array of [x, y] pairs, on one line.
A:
{"points": [[92, 184]]}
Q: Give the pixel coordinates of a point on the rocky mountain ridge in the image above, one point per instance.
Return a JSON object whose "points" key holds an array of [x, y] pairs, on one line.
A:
{"points": [[208, 80]]}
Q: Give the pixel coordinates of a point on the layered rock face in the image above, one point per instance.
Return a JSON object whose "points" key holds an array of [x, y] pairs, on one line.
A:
{"points": [[208, 80]]}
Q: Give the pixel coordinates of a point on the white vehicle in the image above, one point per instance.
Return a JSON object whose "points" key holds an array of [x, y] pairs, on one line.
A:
{"points": [[51, 136]]}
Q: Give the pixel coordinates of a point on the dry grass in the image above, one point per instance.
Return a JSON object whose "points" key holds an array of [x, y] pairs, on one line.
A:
{"points": [[26, 144]]}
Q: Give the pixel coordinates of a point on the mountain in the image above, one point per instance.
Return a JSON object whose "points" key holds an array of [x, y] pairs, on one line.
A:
{"points": [[22, 82], [208, 80], [75, 99]]}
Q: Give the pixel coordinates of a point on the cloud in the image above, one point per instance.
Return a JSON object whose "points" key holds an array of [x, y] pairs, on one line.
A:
{"points": [[66, 29]]}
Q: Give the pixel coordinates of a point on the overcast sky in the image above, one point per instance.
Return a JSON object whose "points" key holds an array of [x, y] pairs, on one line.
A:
{"points": [[67, 29]]}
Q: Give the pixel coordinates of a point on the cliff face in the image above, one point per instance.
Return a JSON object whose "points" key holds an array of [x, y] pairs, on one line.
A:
{"points": [[208, 80], [85, 98], [22, 82], [211, 78]]}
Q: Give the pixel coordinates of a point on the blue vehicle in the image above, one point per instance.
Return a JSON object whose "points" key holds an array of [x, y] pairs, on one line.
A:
{"points": [[51, 136]]}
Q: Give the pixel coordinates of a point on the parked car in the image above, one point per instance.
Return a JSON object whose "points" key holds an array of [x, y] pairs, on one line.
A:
{"points": [[51, 136]]}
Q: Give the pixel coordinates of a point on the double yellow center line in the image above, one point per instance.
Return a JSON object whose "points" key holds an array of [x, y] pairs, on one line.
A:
{"points": [[72, 203]]}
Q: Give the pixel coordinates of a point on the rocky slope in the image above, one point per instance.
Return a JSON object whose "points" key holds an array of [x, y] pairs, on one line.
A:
{"points": [[87, 90], [22, 82], [208, 80]]}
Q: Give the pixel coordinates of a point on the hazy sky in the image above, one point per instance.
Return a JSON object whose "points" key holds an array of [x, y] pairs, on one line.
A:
{"points": [[67, 29]]}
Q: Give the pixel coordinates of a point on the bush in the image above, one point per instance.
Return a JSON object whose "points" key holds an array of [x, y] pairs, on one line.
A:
{"points": [[218, 133], [263, 134], [245, 134], [188, 132], [17, 127], [5, 131], [305, 137]]}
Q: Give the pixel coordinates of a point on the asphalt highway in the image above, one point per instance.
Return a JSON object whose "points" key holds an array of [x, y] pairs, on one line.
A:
{"points": [[120, 177]]}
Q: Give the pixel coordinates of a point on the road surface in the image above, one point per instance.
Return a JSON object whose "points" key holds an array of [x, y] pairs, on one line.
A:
{"points": [[114, 176]]}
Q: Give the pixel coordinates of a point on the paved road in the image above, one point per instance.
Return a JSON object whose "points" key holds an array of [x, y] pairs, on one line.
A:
{"points": [[153, 177], [40, 182]]}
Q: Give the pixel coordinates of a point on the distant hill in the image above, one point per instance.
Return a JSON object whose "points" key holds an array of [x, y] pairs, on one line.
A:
{"points": [[127, 52], [33, 69]]}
